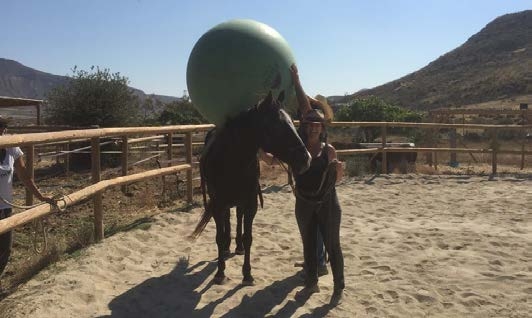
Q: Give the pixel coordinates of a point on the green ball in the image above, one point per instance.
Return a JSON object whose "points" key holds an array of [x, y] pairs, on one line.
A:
{"points": [[234, 65]]}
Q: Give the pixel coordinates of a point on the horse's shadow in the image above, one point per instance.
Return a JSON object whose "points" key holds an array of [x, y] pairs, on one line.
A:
{"points": [[164, 296], [175, 295]]}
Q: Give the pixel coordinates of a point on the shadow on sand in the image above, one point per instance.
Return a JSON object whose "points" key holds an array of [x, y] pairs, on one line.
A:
{"points": [[175, 295]]}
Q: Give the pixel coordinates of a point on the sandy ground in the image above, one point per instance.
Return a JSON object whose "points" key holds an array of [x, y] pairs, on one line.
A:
{"points": [[414, 246]]}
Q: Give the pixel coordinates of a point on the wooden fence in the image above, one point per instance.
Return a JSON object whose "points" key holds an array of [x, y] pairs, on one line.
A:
{"points": [[95, 190], [493, 129], [29, 141]]}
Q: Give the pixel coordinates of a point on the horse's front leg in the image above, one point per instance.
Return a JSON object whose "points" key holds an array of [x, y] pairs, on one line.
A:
{"points": [[239, 250], [220, 217], [249, 211], [227, 232]]}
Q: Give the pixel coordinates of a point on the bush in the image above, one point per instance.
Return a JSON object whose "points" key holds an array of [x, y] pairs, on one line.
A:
{"points": [[179, 113], [91, 98], [374, 109]]}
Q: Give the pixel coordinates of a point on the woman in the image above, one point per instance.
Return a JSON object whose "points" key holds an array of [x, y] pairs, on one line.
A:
{"points": [[11, 160], [317, 208]]}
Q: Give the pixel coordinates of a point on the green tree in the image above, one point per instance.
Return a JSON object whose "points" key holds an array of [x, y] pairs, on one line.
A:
{"points": [[374, 109], [179, 113], [150, 109], [98, 97]]}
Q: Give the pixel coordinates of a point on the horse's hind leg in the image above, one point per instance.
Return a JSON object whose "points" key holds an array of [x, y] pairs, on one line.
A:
{"points": [[226, 213], [221, 242], [239, 250], [249, 212]]}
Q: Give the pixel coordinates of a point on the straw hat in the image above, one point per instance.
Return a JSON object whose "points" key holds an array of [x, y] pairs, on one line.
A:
{"points": [[321, 110]]}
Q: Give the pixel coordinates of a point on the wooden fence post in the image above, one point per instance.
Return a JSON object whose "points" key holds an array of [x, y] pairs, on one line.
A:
{"points": [[67, 159], [452, 144], [169, 148], [435, 139], [384, 163], [494, 149], [188, 153], [124, 159], [97, 198], [429, 143], [30, 156], [58, 149], [523, 150]]}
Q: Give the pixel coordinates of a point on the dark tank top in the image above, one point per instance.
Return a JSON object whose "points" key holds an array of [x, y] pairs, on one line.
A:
{"points": [[309, 182]]}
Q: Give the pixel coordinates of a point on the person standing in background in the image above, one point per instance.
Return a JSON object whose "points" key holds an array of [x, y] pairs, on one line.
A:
{"points": [[11, 161]]}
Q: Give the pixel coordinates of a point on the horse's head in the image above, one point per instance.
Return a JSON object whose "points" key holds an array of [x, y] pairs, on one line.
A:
{"points": [[278, 136]]}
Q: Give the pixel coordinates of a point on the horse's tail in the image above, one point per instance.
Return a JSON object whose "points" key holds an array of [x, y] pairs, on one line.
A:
{"points": [[202, 224], [203, 179], [203, 186]]}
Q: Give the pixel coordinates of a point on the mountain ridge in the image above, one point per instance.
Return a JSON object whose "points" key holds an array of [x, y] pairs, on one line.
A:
{"points": [[21, 81], [494, 63]]}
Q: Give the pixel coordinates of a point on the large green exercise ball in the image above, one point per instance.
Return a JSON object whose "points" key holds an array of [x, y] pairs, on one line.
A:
{"points": [[234, 65]]}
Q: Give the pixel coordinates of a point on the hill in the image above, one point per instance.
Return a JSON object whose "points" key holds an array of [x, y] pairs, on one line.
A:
{"points": [[17, 80], [493, 64]]}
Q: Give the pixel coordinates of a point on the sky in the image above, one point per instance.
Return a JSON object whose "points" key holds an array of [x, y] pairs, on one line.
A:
{"points": [[340, 47]]}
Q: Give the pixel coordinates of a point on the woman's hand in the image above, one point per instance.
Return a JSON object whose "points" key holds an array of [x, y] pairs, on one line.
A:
{"points": [[49, 200], [302, 100], [267, 157], [294, 72]]}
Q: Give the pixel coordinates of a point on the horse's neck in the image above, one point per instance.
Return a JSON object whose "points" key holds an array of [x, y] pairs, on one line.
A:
{"points": [[241, 143], [237, 142]]}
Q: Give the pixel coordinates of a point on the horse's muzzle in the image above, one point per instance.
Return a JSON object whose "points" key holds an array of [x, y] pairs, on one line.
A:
{"points": [[303, 165]]}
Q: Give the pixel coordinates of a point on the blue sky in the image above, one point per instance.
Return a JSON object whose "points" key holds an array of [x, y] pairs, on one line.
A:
{"points": [[340, 46]]}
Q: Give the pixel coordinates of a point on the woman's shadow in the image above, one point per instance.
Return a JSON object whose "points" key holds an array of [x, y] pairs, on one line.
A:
{"points": [[175, 295]]}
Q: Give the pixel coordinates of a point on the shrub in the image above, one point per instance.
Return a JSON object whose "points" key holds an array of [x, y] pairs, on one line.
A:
{"points": [[98, 97]]}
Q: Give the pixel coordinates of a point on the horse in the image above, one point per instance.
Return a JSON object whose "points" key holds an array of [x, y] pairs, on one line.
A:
{"points": [[229, 171]]}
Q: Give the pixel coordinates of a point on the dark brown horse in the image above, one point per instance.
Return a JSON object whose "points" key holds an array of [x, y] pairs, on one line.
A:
{"points": [[230, 171]]}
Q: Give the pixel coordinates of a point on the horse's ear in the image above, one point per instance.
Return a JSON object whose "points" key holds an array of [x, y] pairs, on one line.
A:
{"points": [[280, 98], [268, 100]]}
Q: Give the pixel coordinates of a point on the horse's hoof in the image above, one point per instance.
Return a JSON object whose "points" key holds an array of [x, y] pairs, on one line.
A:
{"points": [[219, 280], [239, 251], [248, 282], [226, 254]]}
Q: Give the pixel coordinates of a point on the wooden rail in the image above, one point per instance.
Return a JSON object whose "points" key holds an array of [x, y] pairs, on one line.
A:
{"points": [[493, 131], [42, 138], [425, 125], [28, 141], [42, 210]]}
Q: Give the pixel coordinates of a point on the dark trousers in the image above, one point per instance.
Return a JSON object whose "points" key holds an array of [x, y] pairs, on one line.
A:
{"points": [[326, 217], [6, 240]]}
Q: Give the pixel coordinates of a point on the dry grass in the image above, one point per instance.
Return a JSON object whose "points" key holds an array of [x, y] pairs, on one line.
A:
{"points": [[505, 103]]}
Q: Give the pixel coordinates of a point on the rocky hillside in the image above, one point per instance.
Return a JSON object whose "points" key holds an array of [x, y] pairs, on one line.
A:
{"points": [[495, 63], [17, 80]]}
